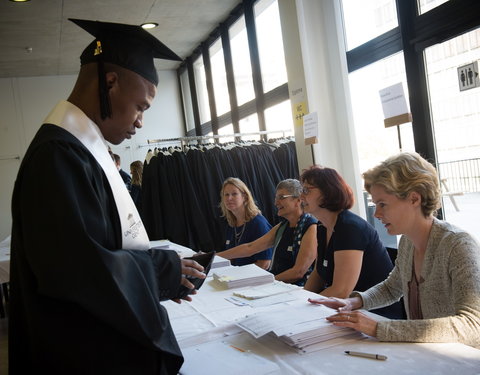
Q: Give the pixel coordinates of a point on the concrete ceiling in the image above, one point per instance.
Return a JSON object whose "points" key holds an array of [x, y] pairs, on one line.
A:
{"points": [[56, 43]]}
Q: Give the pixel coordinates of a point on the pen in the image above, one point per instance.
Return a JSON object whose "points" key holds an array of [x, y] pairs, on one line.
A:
{"points": [[239, 349], [367, 355]]}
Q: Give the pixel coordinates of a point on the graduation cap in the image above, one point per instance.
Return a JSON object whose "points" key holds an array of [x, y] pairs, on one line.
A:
{"points": [[128, 46]]}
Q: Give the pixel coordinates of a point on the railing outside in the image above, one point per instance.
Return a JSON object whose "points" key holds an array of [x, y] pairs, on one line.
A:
{"points": [[461, 175]]}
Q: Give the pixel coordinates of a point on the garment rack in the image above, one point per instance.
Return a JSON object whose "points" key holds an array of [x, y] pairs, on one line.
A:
{"points": [[184, 140], [17, 157]]}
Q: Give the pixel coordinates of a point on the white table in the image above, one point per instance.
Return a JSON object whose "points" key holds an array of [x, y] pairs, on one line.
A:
{"points": [[208, 339]]}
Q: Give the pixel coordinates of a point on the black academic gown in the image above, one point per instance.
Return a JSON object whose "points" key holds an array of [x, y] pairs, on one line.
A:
{"points": [[80, 304]]}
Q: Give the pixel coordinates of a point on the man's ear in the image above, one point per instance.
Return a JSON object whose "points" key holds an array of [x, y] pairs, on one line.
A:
{"points": [[111, 79]]}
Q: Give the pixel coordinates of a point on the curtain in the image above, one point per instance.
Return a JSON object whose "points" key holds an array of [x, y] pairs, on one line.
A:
{"points": [[181, 189]]}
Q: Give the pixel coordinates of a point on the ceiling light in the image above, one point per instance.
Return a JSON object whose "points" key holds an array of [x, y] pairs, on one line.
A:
{"points": [[149, 25], [19, 1]]}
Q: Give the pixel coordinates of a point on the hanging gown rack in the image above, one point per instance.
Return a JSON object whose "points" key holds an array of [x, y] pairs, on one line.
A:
{"points": [[184, 140]]}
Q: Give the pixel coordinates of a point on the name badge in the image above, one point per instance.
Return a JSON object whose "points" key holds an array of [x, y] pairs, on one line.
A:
{"points": [[228, 242], [290, 248], [325, 263]]}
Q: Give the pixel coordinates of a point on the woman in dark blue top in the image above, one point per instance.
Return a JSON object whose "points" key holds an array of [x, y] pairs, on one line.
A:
{"points": [[350, 253], [294, 239], [245, 222]]}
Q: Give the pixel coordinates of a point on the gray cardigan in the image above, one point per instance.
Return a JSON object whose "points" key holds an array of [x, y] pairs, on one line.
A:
{"points": [[449, 296]]}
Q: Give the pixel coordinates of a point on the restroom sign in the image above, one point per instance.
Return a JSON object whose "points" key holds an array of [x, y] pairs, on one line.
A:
{"points": [[468, 76]]}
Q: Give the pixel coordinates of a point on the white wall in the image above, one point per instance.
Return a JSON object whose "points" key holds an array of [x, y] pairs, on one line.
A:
{"points": [[25, 102], [327, 90]]}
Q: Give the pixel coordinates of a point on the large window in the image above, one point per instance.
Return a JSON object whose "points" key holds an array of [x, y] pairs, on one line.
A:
{"points": [[201, 87], [434, 42], [256, 50], [278, 118], [270, 44], [456, 119], [375, 142], [242, 68], [187, 101], [219, 77], [426, 5], [367, 19]]}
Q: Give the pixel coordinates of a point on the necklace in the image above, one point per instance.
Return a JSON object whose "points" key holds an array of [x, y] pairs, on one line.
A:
{"points": [[238, 236]]}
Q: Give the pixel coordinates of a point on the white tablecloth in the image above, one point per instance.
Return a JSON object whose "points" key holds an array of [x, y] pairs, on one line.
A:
{"points": [[210, 343]]}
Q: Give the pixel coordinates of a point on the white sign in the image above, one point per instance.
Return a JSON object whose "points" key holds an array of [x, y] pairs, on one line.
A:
{"points": [[310, 126], [393, 101], [468, 76]]}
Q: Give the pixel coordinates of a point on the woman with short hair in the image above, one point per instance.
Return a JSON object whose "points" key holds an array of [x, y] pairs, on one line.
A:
{"points": [[437, 270]]}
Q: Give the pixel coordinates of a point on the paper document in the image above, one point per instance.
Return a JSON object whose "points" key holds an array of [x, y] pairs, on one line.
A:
{"points": [[235, 277], [267, 290]]}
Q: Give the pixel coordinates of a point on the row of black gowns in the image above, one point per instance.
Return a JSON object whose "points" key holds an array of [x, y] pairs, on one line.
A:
{"points": [[181, 190]]}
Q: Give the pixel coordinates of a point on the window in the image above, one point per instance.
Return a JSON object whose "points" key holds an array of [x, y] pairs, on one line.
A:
{"points": [[270, 44], [272, 72], [242, 67], [455, 117], [367, 19], [279, 117], [219, 77], [426, 5], [226, 130], [202, 93], [187, 101], [249, 124], [376, 142]]}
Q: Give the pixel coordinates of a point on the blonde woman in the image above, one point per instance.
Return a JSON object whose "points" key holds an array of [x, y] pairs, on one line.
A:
{"points": [[245, 221], [437, 270]]}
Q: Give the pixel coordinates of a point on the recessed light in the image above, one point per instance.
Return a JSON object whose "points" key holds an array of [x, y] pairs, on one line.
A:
{"points": [[19, 1], [149, 25]]}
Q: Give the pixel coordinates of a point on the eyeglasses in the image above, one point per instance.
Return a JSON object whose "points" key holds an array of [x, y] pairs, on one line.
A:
{"points": [[282, 197], [306, 190]]}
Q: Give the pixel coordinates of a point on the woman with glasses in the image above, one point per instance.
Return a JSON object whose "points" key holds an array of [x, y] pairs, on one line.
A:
{"points": [[350, 253], [294, 239], [245, 221], [437, 270]]}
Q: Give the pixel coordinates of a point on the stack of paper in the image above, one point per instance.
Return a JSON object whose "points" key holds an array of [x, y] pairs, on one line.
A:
{"points": [[183, 252], [302, 327], [235, 277], [219, 262]]}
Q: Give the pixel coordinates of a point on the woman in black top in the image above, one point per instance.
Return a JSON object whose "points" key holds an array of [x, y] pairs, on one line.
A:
{"points": [[350, 253]]}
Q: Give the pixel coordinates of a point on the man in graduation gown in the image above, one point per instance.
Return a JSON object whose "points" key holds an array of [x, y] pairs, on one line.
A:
{"points": [[85, 287]]}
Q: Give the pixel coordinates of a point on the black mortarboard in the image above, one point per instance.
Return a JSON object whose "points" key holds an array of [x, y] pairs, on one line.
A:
{"points": [[128, 46]]}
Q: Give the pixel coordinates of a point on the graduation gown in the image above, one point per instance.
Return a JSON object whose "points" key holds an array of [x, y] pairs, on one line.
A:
{"points": [[79, 303]]}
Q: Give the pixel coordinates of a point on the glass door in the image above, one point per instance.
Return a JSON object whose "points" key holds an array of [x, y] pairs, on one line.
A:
{"points": [[452, 74]]}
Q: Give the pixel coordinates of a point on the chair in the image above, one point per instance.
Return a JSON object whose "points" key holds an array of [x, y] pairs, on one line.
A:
{"points": [[450, 194]]}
